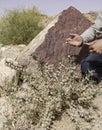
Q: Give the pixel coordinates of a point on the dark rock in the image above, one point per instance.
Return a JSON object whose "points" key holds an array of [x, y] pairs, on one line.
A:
{"points": [[49, 45], [53, 49]]}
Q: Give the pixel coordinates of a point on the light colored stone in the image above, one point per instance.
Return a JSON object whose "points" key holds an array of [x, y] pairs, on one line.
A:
{"points": [[6, 73], [11, 51]]}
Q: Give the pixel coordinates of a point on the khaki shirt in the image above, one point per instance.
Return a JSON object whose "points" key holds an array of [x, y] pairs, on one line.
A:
{"points": [[93, 31]]}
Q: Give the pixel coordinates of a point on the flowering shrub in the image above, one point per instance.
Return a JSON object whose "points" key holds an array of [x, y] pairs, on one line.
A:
{"points": [[49, 92]]}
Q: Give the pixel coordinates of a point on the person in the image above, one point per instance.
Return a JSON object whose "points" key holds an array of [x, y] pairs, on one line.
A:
{"points": [[92, 37]]}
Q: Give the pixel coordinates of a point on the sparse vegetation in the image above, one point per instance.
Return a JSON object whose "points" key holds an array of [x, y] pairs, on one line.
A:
{"points": [[46, 94]]}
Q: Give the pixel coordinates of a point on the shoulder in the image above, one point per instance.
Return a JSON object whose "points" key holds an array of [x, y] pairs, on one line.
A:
{"points": [[98, 21]]}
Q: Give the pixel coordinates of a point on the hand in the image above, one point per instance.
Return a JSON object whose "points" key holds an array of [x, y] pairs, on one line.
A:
{"points": [[74, 39], [95, 46]]}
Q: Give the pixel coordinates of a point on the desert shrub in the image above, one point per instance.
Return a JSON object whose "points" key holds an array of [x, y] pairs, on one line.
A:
{"points": [[49, 92], [20, 26]]}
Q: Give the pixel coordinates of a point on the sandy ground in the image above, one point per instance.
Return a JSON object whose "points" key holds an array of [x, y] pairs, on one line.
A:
{"points": [[64, 123]]}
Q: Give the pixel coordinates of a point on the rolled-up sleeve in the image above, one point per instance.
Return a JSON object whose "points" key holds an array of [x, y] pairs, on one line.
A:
{"points": [[90, 34]]}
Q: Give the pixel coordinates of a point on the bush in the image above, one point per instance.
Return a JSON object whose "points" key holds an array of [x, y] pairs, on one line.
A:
{"points": [[49, 92], [20, 27]]}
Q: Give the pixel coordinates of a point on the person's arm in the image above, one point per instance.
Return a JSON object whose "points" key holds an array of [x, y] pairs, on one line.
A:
{"points": [[90, 34]]}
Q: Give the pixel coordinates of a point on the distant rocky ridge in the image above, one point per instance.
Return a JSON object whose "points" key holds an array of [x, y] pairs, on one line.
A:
{"points": [[91, 15], [50, 45]]}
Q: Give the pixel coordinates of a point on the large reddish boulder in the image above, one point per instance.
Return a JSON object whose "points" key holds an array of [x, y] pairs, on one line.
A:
{"points": [[53, 48], [50, 45]]}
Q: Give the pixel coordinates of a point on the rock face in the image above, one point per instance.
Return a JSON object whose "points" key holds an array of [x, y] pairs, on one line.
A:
{"points": [[50, 45]]}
